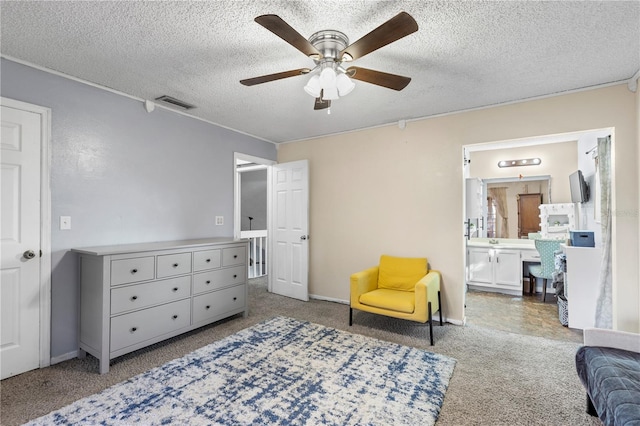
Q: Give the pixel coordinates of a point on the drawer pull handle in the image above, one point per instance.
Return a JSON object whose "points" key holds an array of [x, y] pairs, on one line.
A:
{"points": [[175, 317], [133, 271], [175, 265], [134, 297], [208, 282], [235, 298], [133, 329], [175, 289], [235, 276], [208, 260], [207, 307], [235, 256]]}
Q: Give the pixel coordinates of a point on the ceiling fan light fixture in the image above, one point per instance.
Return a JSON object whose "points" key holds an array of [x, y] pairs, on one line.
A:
{"points": [[330, 93], [328, 78], [313, 86], [344, 84], [329, 49]]}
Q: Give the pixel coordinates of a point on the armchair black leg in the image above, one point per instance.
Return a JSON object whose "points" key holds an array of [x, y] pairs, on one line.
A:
{"points": [[591, 410], [544, 290], [440, 306], [430, 324], [350, 316]]}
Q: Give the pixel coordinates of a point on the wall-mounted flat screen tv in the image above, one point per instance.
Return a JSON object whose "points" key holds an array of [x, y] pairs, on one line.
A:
{"points": [[579, 188]]}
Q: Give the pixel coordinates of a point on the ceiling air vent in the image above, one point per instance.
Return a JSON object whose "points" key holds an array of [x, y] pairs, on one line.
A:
{"points": [[175, 102]]}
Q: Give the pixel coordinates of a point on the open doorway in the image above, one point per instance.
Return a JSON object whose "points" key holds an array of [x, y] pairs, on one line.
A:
{"points": [[281, 252], [561, 155], [251, 191]]}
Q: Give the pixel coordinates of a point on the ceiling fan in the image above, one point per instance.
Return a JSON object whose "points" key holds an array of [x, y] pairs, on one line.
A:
{"points": [[329, 49]]}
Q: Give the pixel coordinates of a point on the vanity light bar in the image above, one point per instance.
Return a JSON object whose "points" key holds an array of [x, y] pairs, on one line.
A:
{"points": [[517, 163]]}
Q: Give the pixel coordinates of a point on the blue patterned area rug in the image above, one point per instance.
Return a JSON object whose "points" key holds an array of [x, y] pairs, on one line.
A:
{"points": [[281, 371]]}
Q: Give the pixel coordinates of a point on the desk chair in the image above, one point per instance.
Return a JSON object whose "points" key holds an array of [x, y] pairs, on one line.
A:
{"points": [[546, 248]]}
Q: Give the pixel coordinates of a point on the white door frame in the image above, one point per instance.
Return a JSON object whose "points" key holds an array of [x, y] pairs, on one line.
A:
{"points": [[45, 223], [527, 141], [237, 197]]}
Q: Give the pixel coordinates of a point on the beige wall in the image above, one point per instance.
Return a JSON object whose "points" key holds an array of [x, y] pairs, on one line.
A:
{"points": [[559, 160], [638, 149], [388, 190]]}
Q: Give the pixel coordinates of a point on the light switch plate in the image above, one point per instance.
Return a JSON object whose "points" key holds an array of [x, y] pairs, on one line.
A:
{"points": [[219, 220], [65, 222]]}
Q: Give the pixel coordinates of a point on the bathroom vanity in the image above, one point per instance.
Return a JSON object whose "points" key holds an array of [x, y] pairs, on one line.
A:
{"points": [[497, 264]]}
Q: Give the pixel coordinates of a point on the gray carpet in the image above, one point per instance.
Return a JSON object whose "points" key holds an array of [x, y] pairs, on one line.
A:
{"points": [[500, 378]]}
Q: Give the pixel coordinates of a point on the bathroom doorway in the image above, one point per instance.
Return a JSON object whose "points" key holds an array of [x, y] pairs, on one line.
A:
{"points": [[560, 156]]}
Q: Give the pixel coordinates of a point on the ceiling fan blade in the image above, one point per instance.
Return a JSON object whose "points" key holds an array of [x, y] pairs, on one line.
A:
{"points": [[394, 29], [321, 103], [273, 77], [279, 27], [390, 81]]}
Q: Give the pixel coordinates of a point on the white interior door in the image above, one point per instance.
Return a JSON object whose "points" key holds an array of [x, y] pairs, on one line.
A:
{"points": [[20, 239], [290, 224]]}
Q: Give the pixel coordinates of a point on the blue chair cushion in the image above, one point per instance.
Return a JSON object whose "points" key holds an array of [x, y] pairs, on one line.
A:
{"points": [[536, 270]]}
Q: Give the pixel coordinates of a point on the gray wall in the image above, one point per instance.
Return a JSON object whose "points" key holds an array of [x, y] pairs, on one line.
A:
{"points": [[253, 201], [124, 176]]}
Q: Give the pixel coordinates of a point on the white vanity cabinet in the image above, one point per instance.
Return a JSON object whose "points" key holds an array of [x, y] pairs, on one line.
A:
{"points": [[134, 295], [495, 269]]}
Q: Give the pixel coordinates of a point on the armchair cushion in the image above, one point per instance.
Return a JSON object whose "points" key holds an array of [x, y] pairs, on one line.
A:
{"points": [[394, 300], [401, 273]]}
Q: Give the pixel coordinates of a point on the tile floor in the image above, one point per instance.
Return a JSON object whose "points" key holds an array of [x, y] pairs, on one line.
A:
{"points": [[525, 314]]}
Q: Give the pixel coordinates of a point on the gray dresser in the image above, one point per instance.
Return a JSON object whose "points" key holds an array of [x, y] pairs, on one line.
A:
{"points": [[134, 295]]}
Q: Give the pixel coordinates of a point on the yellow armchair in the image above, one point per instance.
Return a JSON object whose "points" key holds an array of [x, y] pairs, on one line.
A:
{"points": [[398, 287]]}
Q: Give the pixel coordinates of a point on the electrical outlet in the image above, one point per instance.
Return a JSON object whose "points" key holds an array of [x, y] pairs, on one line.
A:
{"points": [[219, 220], [65, 222]]}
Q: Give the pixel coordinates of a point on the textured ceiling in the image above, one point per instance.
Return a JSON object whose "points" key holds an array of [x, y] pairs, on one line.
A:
{"points": [[465, 54]]}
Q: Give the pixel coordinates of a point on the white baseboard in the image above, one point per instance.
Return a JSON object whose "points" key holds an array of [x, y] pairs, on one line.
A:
{"points": [[328, 299], [64, 357], [436, 319]]}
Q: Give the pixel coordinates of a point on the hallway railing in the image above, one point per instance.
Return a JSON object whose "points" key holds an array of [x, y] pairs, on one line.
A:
{"points": [[257, 252]]}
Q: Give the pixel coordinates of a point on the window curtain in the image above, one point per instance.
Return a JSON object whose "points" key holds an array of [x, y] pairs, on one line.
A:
{"points": [[604, 304], [500, 197]]}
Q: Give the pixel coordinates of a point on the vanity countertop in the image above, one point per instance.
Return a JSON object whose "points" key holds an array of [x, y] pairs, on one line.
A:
{"points": [[504, 243]]}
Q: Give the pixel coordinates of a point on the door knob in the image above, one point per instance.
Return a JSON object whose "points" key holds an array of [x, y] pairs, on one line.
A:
{"points": [[29, 254], [304, 237]]}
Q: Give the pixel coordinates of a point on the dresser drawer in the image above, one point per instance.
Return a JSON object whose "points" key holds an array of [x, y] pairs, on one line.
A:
{"points": [[207, 281], [132, 270], [136, 327], [128, 298], [206, 259], [217, 303], [234, 256], [174, 264]]}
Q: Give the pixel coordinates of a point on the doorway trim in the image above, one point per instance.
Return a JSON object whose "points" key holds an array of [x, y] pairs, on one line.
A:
{"points": [[529, 141], [238, 156], [236, 186], [45, 224]]}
